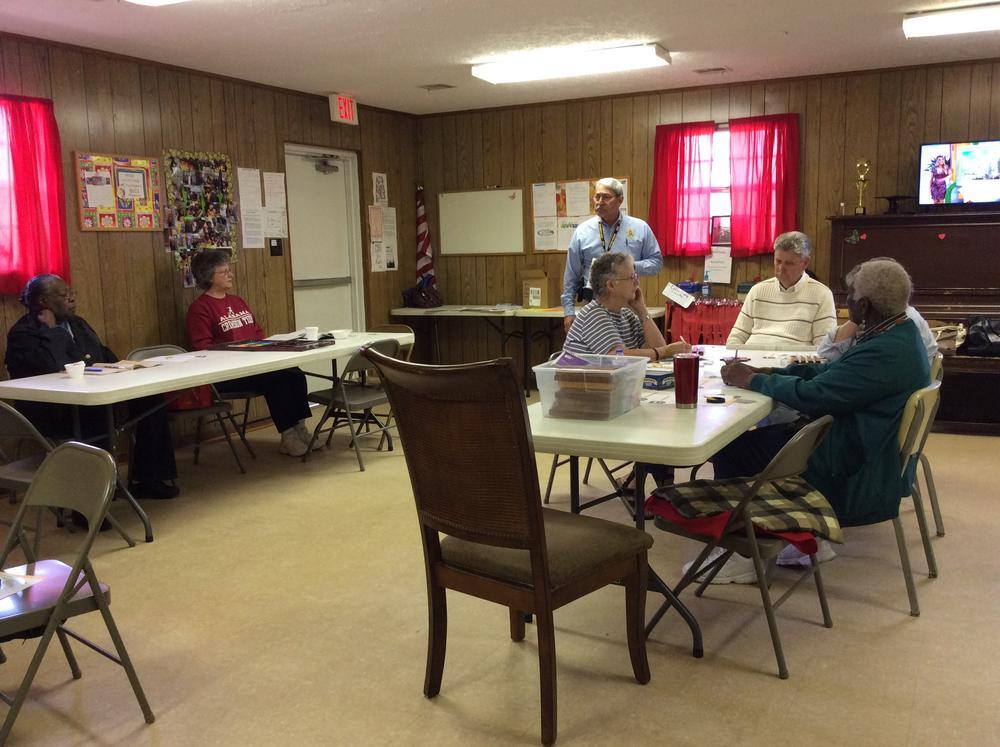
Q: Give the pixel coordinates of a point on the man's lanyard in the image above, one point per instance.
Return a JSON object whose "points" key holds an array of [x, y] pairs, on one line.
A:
{"points": [[614, 234]]}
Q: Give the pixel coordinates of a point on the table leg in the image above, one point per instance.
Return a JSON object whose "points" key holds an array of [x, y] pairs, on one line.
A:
{"points": [[435, 342], [655, 583], [574, 484], [526, 352], [112, 447]]}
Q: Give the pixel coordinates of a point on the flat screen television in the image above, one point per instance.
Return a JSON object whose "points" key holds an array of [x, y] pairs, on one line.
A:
{"points": [[960, 174]]}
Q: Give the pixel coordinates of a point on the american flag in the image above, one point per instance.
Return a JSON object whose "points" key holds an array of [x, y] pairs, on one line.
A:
{"points": [[425, 259]]}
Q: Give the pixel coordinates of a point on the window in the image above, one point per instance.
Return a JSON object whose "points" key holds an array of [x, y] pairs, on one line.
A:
{"points": [[32, 203], [748, 172]]}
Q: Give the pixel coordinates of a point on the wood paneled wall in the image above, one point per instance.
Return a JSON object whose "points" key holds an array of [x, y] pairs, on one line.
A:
{"points": [[127, 285], [882, 116]]}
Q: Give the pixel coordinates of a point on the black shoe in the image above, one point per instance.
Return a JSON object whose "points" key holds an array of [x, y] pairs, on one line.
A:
{"points": [[153, 490], [80, 522]]}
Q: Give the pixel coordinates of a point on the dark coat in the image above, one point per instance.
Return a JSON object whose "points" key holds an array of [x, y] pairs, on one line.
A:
{"points": [[34, 348]]}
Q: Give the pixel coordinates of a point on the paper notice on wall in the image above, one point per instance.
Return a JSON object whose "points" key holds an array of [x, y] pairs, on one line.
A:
{"points": [[389, 237], [131, 184], [719, 265], [545, 234], [251, 217], [375, 230], [578, 198], [543, 199], [274, 189], [380, 189], [378, 257], [275, 222], [565, 229]]}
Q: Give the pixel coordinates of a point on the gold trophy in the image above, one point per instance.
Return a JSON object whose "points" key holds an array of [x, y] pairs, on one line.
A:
{"points": [[863, 168]]}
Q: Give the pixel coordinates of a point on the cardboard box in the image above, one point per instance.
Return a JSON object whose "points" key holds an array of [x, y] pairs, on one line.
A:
{"points": [[538, 291]]}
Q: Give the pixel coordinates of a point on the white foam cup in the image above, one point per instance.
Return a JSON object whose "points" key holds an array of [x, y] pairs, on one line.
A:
{"points": [[75, 370], [312, 333]]}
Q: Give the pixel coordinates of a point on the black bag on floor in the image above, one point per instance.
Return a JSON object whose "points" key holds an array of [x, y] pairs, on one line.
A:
{"points": [[982, 337]]}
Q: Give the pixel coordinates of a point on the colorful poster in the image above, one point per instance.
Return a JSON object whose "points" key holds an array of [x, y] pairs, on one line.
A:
{"points": [[559, 207], [200, 210], [118, 193]]}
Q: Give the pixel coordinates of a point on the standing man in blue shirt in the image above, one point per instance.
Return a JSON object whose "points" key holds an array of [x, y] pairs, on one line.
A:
{"points": [[610, 230]]}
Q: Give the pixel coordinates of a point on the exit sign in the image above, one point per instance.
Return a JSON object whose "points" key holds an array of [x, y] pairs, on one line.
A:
{"points": [[343, 109]]}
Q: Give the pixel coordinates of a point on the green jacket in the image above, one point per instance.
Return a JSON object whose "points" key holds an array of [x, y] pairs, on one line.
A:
{"points": [[857, 465]]}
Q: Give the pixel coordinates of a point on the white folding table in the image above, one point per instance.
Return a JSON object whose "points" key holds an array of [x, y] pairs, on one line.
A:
{"points": [[659, 433], [177, 372]]}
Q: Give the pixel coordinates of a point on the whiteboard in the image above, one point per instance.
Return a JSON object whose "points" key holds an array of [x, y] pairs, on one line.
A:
{"points": [[489, 221]]}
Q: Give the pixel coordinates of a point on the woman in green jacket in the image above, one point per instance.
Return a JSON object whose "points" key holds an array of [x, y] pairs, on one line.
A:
{"points": [[857, 465]]}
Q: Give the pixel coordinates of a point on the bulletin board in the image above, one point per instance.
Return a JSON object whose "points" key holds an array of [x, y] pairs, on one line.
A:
{"points": [[557, 208], [488, 221], [200, 210], [118, 193]]}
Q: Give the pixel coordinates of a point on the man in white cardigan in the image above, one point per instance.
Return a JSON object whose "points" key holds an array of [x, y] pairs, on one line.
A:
{"points": [[789, 309]]}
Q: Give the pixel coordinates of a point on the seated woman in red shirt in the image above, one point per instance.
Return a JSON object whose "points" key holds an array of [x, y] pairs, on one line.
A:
{"points": [[217, 316]]}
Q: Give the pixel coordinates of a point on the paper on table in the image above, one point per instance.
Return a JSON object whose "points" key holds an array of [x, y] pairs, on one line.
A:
{"points": [[11, 583], [659, 397], [176, 358], [679, 296], [285, 336], [545, 234]]}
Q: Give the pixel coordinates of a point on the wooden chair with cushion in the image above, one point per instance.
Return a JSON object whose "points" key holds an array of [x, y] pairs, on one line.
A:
{"points": [[730, 514], [80, 478], [483, 528]]}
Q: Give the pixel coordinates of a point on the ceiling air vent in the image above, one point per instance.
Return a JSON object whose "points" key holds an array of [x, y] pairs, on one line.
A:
{"points": [[713, 70], [436, 87]]}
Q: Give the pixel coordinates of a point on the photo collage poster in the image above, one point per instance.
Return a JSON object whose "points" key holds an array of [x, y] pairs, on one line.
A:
{"points": [[200, 210]]}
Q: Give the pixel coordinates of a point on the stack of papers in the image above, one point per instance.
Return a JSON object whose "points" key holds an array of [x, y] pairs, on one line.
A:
{"points": [[11, 584]]}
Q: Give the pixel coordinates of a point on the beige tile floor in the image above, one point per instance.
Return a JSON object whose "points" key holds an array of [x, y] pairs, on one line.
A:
{"points": [[287, 606]]}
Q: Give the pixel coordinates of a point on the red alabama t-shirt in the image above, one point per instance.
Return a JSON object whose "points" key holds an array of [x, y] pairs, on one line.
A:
{"points": [[211, 321]]}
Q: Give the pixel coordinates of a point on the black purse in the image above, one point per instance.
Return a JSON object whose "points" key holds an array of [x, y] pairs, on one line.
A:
{"points": [[982, 337]]}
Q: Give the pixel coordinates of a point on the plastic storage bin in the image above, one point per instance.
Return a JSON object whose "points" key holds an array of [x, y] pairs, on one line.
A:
{"points": [[607, 387]]}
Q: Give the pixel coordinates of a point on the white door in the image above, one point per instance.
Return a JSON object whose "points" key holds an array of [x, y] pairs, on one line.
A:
{"points": [[325, 233]]}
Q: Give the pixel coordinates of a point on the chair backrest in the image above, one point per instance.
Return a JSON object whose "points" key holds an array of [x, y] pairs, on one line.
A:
{"points": [[468, 449], [358, 363], [73, 476], [794, 455], [152, 351], [915, 426], [15, 426], [405, 350], [937, 367]]}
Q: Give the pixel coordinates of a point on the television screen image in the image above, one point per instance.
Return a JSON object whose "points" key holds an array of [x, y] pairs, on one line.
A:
{"points": [[960, 173]]}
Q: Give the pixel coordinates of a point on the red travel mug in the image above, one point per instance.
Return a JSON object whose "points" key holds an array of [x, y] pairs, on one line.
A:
{"points": [[686, 380]]}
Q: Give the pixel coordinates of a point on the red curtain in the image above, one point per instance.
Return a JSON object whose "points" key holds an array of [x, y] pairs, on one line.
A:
{"points": [[32, 202], [682, 175], [764, 167]]}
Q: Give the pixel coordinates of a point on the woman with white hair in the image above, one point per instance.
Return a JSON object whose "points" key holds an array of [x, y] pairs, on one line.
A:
{"points": [[857, 465]]}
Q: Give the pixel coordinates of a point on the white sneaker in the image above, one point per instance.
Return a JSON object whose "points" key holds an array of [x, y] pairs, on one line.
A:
{"points": [[791, 557], [292, 445], [737, 570], [306, 437]]}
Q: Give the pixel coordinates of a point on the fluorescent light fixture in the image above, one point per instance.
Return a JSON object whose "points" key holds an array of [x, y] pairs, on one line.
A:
{"points": [[155, 3], [570, 62], [954, 21]]}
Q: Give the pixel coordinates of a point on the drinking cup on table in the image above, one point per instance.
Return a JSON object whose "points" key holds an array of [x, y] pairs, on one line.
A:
{"points": [[686, 380], [75, 370], [312, 333]]}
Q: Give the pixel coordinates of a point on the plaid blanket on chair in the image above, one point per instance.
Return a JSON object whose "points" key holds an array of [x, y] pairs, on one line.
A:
{"points": [[787, 505]]}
